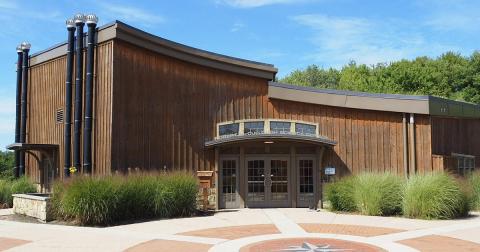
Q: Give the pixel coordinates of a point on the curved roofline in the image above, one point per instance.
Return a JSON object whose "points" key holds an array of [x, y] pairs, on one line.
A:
{"points": [[118, 30], [277, 137]]}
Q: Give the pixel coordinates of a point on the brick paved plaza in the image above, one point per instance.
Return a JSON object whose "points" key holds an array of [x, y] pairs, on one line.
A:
{"points": [[251, 230]]}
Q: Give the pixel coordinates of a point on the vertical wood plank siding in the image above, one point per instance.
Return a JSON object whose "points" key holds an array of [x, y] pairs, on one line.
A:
{"points": [[46, 94], [165, 109], [456, 135]]}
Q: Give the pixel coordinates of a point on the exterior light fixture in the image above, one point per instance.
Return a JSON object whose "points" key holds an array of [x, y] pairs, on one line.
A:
{"points": [[268, 142]]}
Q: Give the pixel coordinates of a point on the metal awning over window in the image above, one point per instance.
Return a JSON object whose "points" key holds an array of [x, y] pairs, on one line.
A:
{"points": [[271, 137]]}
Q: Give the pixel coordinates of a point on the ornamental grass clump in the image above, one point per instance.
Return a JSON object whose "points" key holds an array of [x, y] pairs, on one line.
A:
{"points": [[17, 186], [474, 181], [340, 194], [378, 194], [5, 192], [109, 200], [176, 196], [434, 196], [91, 200]]}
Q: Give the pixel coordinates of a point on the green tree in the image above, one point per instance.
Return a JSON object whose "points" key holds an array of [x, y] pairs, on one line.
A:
{"points": [[7, 162], [314, 76], [450, 75]]}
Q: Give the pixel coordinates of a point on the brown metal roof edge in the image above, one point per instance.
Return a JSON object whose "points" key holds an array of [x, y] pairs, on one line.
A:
{"points": [[263, 137], [29, 146], [430, 105], [122, 31], [104, 33], [194, 55]]}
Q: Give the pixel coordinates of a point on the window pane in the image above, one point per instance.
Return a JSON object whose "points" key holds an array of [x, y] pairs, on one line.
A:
{"points": [[228, 129], [280, 127], [305, 129], [251, 128]]}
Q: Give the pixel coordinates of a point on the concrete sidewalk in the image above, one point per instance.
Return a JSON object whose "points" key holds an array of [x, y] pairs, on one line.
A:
{"points": [[237, 230]]}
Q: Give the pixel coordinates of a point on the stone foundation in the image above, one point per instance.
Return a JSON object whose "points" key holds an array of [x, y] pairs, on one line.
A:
{"points": [[206, 199], [34, 205]]}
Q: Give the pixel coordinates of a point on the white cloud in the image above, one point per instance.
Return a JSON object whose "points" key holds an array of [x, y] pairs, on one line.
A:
{"points": [[5, 4], [341, 39], [237, 26], [130, 14], [257, 3]]}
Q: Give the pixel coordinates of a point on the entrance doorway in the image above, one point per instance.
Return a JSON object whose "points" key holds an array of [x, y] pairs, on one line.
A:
{"points": [[229, 181], [268, 181], [262, 175]]}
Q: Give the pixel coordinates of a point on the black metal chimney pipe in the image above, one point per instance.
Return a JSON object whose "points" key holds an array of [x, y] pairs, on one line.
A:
{"points": [[91, 21], [77, 127], [18, 111], [68, 98], [23, 127]]}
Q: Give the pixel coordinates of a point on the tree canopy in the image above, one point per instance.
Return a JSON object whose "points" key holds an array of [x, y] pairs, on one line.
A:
{"points": [[450, 75]]}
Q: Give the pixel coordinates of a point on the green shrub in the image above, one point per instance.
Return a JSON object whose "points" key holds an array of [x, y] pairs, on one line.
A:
{"points": [[474, 181], [378, 194], [340, 194], [107, 200], [434, 196], [9, 187]]}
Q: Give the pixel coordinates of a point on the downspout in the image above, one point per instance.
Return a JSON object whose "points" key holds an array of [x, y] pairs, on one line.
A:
{"points": [[413, 165], [77, 127], [23, 127], [68, 98], [18, 109], [405, 144], [91, 21]]}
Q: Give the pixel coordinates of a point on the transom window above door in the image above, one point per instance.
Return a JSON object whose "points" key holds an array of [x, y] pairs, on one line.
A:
{"points": [[251, 128], [277, 127], [266, 126], [230, 129]]}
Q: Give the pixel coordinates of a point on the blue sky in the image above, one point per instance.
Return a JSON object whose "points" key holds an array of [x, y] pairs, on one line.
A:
{"points": [[290, 34]]}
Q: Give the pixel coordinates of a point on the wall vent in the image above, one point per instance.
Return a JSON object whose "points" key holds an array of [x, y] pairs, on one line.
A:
{"points": [[59, 115]]}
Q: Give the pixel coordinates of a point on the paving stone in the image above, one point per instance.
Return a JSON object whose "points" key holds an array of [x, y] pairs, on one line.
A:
{"points": [[166, 245], [438, 243]]}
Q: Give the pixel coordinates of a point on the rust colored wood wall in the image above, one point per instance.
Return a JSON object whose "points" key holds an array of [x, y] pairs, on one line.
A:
{"points": [[456, 135], [165, 109], [46, 94]]}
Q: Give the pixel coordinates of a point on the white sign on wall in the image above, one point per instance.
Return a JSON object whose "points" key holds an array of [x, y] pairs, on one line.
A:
{"points": [[329, 170]]}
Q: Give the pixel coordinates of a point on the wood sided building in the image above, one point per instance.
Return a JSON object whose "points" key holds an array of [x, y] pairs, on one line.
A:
{"points": [[159, 105]]}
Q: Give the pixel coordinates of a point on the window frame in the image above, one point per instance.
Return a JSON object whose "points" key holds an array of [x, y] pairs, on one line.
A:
{"points": [[225, 125], [464, 163], [289, 131], [262, 129], [306, 124]]}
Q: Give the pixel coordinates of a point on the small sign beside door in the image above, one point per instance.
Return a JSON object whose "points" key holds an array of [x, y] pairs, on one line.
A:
{"points": [[329, 170]]}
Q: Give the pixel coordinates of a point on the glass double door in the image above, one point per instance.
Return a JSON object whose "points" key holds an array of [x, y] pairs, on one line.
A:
{"points": [[267, 182]]}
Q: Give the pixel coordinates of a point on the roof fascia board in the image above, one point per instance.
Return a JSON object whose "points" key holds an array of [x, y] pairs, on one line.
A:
{"points": [[189, 54], [104, 33], [124, 32], [348, 100]]}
